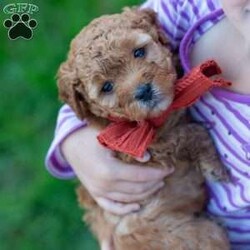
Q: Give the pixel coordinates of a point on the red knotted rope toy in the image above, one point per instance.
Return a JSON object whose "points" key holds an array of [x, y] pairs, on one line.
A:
{"points": [[134, 137]]}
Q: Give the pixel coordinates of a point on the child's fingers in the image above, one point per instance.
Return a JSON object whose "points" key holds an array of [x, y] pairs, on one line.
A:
{"points": [[133, 188], [146, 157], [135, 173], [128, 198], [124, 191], [116, 207]]}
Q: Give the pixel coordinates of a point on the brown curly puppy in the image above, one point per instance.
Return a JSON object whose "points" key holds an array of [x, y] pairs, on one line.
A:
{"points": [[120, 65]]}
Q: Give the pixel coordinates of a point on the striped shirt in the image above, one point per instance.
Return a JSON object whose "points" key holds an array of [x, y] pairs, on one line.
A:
{"points": [[225, 114]]}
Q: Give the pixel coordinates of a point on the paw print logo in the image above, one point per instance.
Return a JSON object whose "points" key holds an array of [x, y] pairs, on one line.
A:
{"points": [[20, 26]]}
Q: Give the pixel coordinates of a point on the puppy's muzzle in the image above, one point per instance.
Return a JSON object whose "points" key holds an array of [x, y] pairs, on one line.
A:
{"points": [[144, 92]]}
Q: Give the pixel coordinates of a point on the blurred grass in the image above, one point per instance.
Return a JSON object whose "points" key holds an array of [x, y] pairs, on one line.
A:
{"points": [[38, 211]]}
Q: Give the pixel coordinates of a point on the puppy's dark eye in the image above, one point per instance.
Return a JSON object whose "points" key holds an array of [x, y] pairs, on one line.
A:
{"points": [[107, 87], [139, 52]]}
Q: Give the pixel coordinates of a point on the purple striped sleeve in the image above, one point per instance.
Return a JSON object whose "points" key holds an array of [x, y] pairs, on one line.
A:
{"points": [[169, 14], [210, 5], [67, 123], [172, 18]]}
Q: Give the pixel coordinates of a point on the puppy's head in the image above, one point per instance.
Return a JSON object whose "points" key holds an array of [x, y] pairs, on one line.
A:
{"points": [[119, 65]]}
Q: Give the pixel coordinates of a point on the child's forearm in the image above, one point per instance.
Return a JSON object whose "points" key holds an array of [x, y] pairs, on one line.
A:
{"points": [[67, 123]]}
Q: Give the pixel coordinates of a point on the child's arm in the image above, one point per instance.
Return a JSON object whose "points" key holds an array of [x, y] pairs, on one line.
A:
{"points": [[111, 182], [116, 186]]}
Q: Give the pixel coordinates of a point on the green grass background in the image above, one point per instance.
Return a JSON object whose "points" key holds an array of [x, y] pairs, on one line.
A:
{"points": [[38, 211]]}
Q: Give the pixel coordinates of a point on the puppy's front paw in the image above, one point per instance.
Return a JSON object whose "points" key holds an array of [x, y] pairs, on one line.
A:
{"points": [[215, 171], [107, 245]]}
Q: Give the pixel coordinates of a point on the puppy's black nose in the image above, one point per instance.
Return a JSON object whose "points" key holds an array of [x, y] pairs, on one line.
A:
{"points": [[144, 92]]}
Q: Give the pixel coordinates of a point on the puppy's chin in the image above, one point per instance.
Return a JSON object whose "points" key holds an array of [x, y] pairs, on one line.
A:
{"points": [[160, 107], [156, 108]]}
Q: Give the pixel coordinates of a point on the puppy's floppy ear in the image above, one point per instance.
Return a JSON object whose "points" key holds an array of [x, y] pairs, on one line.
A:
{"points": [[68, 85], [146, 19]]}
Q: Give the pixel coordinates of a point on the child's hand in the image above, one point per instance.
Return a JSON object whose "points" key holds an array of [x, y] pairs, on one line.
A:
{"points": [[116, 186]]}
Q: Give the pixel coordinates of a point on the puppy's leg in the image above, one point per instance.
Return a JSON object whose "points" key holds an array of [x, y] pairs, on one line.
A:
{"points": [[204, 153], [95, 218], [195, 143], [107, 245]]}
